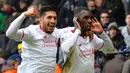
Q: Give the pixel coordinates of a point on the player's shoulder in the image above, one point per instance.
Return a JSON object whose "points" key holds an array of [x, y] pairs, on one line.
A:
{"points": [[63, 31], [31, 27], [67, 34], [67, 29]]}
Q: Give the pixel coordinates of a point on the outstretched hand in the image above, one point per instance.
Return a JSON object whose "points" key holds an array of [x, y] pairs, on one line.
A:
{"points": [[76, 24], [32, 12], [96, 26]]}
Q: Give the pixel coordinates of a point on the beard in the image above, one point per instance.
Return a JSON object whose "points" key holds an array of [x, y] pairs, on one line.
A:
{"points": [[49, 27]]}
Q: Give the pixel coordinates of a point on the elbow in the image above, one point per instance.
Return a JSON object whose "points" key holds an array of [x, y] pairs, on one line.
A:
{"points": [[9, 35], [101, 44]]}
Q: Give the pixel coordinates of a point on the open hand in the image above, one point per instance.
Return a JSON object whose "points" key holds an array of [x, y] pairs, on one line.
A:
{"points": [[32, 12], [96, 26]]}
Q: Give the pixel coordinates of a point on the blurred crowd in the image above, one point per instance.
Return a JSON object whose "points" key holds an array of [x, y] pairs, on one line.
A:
{"points": [[114, 16]]}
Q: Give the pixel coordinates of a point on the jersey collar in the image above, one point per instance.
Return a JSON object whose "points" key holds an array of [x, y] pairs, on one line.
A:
{"points": [[40, 26]]}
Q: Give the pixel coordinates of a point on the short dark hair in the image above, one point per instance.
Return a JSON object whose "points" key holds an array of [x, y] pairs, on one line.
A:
{"points": [[104, 12], [46, 8], [128, 13], [79, 9]]}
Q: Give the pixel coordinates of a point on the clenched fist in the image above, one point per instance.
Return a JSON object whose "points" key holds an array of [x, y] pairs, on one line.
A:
{"points": [[32, 12]]}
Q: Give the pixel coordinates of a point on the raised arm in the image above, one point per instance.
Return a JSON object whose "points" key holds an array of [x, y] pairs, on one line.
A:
{"points": [[69, 39], [107, 41], [13, 31]]}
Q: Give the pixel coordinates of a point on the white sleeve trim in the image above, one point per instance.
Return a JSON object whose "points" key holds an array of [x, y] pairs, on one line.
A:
{"points": [[12, 32]]}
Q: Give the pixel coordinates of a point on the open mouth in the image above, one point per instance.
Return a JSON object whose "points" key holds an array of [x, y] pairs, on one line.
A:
{"points": [[51, 28], [51, 25]]}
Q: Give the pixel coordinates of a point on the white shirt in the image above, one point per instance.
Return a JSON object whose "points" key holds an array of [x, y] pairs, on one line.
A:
{"points": [[39, 51], [81, 55]]}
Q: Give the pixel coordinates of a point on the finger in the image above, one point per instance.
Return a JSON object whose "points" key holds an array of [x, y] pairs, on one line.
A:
{"points": [[93, 22], [95, 19], [37, 14], [75, 18], [76, 23]]}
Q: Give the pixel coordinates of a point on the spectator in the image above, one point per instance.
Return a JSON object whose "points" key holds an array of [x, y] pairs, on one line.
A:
{"points": [[9, 12], [126, 30], [11, 66], [115, 65], [23, 5], [103, 5], [115, 35], [104, 20], [126, 4], [117, 12], [2, 42], [1, 17], [66, 14], [100, 59], [16, 56], [92, 7], [126, 67], [1, 59]]}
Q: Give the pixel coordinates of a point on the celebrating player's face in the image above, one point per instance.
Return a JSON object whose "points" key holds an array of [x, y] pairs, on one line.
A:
{"points": [[49, 21], [84, 20]]}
